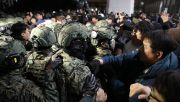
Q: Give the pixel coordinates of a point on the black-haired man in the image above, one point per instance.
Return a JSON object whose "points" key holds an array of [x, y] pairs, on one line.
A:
{"points": [[20, 31], [154, 57]]}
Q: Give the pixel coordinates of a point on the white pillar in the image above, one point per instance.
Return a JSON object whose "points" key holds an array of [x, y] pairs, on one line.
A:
{"points": [[126, 6]]}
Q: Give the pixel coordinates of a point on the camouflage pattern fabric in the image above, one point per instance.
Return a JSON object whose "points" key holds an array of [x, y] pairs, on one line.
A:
{"points": [[9, 45], [44, 36], [76, 70], [10, 20], [98, 70], [6, 23], [77, 76], [101, 30], [104, 30], [90, 26], [78, 79], [41, 62], [36, 65], [3, 22], [14, 86], [102, 24], [57, 29], [72, 31], [14, 20], [49, 24], [135, 20], [11, 86], [101, 53]]}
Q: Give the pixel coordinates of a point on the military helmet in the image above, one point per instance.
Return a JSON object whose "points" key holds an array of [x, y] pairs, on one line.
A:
{"points": [[103, 30], [57, 28], [43, 36], [5, 21], [3, 25], [6, 24], [102, 24], [14, 20], [70, 31], [11, 52], [48, 23]]}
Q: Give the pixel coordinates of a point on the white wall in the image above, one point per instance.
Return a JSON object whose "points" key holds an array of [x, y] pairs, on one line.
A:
{"points": [[126, 6]]}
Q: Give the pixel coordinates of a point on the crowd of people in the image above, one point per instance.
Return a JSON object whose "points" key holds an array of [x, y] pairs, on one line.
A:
{"points": [[80, 56]]}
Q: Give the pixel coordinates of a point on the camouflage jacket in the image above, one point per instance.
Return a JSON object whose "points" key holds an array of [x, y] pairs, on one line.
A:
{"points": [[41, 67], [78, 78], [102, 53], [90, 26], [15, 88]]}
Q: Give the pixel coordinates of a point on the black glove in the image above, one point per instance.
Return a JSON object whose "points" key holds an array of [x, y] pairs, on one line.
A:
{"points": [[56, 61], [52, 66], [94, 66], [90, 86]]}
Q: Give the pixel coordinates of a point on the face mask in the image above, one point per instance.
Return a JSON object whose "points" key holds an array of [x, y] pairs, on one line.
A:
{"points": [[78, 48], [34, 42]]}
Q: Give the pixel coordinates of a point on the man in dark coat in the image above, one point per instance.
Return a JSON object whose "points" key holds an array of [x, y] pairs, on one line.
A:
{"points": [[154, 57]]}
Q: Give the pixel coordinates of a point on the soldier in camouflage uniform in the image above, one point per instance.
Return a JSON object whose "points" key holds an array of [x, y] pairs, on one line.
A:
{"points": [[102, 37], [55, 28], [78, 79], [41, 59], [16, 88]]}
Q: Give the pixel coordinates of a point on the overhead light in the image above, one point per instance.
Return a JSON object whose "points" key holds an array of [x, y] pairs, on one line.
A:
{"points": [[142, 3]]}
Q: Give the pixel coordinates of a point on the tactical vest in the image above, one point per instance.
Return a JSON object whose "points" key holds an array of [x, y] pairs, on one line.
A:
{"points": [[37, 64], [75, 72], [15, 87]]}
